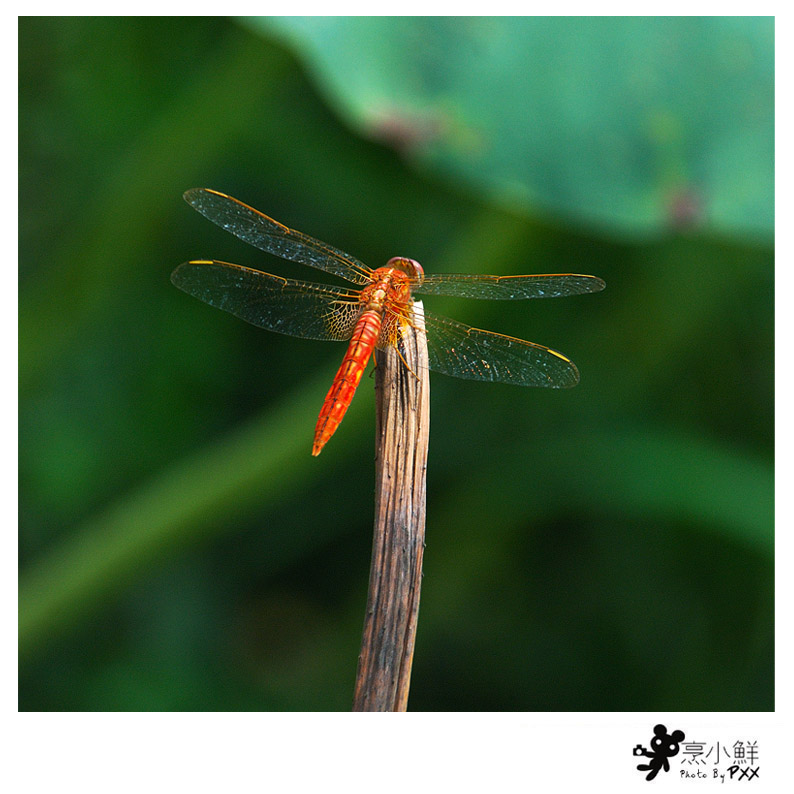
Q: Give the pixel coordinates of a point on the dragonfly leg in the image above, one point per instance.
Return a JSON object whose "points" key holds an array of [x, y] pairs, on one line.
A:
{"points": [[405, 363]]}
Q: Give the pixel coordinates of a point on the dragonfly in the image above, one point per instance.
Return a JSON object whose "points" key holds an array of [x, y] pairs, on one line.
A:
{"points": [[377, 313]]}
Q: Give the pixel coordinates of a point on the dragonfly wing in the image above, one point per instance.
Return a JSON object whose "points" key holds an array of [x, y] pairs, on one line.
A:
{"points": [[464, 352], [295, 308], [268, 235], [509, 287]]}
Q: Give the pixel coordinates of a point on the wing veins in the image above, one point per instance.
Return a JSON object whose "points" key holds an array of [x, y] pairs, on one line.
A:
{"points": [[549, 285], [475, 354], [296, 308], [267, 234]]}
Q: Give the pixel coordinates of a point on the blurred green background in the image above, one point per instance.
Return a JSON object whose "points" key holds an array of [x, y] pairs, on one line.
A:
{"points": [[604, 548]]}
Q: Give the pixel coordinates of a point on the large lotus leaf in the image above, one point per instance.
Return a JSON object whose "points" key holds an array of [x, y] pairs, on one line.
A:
{"points": [[626, 124]]}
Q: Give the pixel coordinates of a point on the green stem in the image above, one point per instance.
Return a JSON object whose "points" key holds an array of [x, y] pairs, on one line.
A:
{"points": [[260, 464]]}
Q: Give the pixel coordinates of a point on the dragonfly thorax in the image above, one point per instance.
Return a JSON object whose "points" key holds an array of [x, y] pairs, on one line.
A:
{"points": [[389, 285]]}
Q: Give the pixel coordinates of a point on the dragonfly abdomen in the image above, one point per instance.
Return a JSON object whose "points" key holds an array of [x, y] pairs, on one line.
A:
{"points": [[347, 378]]}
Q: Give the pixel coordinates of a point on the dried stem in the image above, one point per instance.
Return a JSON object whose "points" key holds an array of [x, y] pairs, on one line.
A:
{"points": [[403, 426]]}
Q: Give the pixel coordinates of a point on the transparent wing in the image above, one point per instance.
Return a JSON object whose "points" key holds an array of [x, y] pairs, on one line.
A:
{"points": [[295, 308], [509, 287], [268, 235], [471, 353]]}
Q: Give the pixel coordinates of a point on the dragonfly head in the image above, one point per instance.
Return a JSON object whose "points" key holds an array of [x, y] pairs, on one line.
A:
{"points": [[410, 267]]}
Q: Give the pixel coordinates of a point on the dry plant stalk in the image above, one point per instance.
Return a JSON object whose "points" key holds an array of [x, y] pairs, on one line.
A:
{"points": [[403, 427]]}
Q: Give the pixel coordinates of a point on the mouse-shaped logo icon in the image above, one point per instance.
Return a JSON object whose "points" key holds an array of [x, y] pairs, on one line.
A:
{"points": [[663, 747]]}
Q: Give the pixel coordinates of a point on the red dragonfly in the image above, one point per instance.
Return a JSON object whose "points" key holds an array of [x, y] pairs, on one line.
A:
{"points": [[375, 315]]}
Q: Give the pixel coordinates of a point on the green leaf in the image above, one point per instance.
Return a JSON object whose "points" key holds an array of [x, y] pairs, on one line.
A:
{"points": [[626, 124]]}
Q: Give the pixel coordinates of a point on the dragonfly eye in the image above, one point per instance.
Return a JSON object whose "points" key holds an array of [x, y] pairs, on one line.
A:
{"points": [[409, 266]]}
